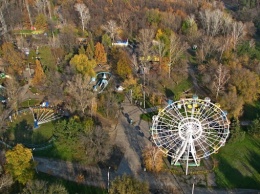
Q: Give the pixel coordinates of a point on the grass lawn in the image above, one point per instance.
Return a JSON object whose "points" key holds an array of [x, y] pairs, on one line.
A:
{"points": [[148, 116], [31, 102], [239, 164], [21, 130]]}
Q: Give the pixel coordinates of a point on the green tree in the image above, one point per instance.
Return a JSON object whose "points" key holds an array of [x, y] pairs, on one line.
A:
{"points": [[236, 132], [128, 185], [19, 163], [100, 53], [254, 128], [106, 41], [82, 50], [83, 65]]}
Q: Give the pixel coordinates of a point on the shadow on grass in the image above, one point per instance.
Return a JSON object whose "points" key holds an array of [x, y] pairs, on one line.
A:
{"points": [[230, 177]]}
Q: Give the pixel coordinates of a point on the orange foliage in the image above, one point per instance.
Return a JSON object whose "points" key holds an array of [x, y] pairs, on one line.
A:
{"points": [[181, 13]]}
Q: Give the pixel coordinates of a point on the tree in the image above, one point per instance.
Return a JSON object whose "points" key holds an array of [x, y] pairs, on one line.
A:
{"points": [[6, 181], [153, 159], [254, 128], [79, 90], [176, 50], [145, 38], [237, 33], [123, 67], [236, 132], [211, 21], [39, 75], [41, 22], [19, 163], [43, 187], [83, 65], [246, 82], [83, 13], [221, 78], [111, 28], [96, 144], [100, 54], [128, 184], [14, 57]]}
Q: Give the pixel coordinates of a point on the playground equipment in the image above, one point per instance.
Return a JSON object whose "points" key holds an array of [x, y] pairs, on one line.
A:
{"points": [[189, 130], [43, 115], [101, 79]]}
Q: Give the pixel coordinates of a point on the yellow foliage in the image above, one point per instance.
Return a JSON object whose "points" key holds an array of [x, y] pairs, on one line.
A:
{"points": [[19, 163], [153, 159]]}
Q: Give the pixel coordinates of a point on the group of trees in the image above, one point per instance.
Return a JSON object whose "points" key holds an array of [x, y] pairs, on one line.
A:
{"points": [[224, 61]]}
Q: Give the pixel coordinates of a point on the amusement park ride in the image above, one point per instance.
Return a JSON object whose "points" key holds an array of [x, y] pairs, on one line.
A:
{"points": [[101, 81], [190, 129]]}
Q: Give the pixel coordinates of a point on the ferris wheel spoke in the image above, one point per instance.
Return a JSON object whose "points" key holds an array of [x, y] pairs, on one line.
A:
{"points": [[190, 129]]}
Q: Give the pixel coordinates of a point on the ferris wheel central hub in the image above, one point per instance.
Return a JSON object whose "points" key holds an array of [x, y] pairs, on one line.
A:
{"points": [[189, 127]]}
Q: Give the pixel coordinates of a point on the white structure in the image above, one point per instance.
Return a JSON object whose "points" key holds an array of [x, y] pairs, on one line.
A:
{"points": [[120, 43], [190, 129]]}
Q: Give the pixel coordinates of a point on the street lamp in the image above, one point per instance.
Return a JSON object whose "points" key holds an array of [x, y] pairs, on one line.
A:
{"points": [[108, 179]]}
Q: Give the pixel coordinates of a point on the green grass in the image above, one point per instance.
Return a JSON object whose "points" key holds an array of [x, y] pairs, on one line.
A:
{"points": [[238, 164], [31, 102], [181, 87], [21, 130]]}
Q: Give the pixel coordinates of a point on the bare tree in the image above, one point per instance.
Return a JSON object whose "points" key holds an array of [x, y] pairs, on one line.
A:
{"points": [[3, 28], [145, 39], [211, 21], [220, 79], [111, 28], [96, 144], [29, 12], [79, 90], [124, 18], [160, 49], [176, 50], [237, 33], [83, 13], [6, 180]]}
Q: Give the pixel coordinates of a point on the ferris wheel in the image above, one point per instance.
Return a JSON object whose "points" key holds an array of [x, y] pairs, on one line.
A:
{"points": [[190, 129]]}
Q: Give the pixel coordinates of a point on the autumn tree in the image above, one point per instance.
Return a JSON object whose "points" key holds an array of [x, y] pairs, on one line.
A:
{"points": [[128, 184], [153, 159], [83, 65], [247, 83], [39, 75], [100, 54], [83, 13], [123, 66], [14, 57], [41, 22], [19, 163]]}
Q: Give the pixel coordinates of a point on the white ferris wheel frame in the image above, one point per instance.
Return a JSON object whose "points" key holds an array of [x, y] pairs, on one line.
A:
{"points": [[190, 129]]}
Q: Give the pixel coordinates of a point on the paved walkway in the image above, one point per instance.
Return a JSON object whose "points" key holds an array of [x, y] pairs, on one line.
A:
{"points": [[131, 138]]}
